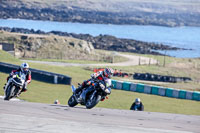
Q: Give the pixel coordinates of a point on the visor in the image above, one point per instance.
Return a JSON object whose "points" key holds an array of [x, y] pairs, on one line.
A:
{"points": [[25, 69]]}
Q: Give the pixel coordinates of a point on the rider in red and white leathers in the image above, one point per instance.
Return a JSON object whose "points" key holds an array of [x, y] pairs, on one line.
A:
{"points": [[106, 73], [24, 68]]}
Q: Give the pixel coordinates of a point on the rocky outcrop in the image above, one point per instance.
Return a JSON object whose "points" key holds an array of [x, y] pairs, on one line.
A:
{"points": [[48, 46], [172, 13], [112, 43], [105, 42]]}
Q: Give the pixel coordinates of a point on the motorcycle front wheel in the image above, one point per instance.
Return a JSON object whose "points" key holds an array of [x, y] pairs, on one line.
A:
{"points": [[9, 92], [90, 103], [72, 101]]}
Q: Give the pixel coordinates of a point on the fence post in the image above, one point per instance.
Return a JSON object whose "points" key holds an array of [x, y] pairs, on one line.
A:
{"points": [[164, 59], [55, 79], [149, 61], [139, 61]]}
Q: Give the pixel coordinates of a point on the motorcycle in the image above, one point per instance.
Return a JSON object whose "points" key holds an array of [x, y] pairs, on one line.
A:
{"points": [[16, 83], [91, 95]]}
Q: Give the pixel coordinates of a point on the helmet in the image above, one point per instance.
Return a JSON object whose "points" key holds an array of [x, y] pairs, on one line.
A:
{"points": [[24, 67], [108, 72], [137, 100], [57, 102]]}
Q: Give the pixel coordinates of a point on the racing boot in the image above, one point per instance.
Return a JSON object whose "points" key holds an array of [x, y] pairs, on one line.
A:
{"points": [[80, 88], [20, 91], [77, 93], [81, 97]]}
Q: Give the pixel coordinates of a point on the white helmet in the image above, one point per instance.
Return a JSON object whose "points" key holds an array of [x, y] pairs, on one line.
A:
{"points": [[24, 67], [108, 72], [137, 100]]}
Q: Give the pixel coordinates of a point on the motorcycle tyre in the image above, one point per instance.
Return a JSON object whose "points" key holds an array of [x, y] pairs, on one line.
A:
{"points": [[72, 101], [94, 102], [8, 93]]}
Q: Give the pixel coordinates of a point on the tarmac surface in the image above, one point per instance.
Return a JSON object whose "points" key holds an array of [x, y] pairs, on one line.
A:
{"points": [[26, 117]]}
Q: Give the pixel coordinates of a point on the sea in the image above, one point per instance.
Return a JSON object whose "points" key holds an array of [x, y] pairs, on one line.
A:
{"points": [[182, 37]]}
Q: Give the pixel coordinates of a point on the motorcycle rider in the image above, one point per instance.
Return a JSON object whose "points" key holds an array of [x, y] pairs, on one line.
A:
{"points": [[137, 105], [101, 75], [24, 68]]}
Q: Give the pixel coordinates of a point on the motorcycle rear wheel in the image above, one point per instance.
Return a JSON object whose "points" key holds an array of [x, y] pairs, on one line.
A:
{"points": [[90, 103], [72, 101]]}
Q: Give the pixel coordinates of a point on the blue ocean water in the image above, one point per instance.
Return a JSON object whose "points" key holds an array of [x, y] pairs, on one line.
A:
{"points": [[182, 37]]}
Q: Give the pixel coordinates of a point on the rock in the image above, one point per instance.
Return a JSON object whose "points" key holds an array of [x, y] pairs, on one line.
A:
{"points": [[105, 42], [48, 46], [105, 12]]}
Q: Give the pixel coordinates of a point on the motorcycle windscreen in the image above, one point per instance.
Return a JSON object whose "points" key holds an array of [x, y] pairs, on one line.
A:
{"points": [[23, 77], [20, 78], [73, 88]]}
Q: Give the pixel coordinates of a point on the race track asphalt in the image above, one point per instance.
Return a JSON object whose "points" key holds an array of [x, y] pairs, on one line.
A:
{"points": [[26, 117]]}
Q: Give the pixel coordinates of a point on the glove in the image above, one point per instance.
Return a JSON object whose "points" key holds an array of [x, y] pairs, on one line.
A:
{"points": [[93, 76], [107, 91], [11, 74], [88, 83]]}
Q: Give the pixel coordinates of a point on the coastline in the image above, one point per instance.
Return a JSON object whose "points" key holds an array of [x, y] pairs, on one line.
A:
{"points": [[159, 13], [105, 42]]}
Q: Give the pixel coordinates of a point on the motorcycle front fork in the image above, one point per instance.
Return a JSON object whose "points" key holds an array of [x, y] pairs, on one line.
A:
{"points": [[6, 85], [93, 94]]}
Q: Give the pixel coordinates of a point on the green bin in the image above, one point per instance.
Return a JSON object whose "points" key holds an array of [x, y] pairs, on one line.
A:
{"points": [[154, 90], [182, 94], [169, 92], [196, 96], [126, 86], [140, 88], [114, 84]]}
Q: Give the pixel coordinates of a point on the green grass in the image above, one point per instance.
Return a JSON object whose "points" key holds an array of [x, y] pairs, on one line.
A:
{"points": [[116, 59], [178, 67], [6, 57], [65, 61], [123, 99], [48, 93], [80, 74], [41, 92]]}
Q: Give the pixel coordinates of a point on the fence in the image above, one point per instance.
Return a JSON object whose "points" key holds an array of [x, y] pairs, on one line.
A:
{"points": [[156, 90], [161, 78], [39, 75]]}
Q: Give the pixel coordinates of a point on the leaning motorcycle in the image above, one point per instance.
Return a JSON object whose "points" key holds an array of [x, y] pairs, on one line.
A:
{"points": [[91, 95], [16, 83]]}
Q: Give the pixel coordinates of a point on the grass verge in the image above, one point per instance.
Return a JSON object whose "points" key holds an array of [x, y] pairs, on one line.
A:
{"points": [[48, 93]]}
